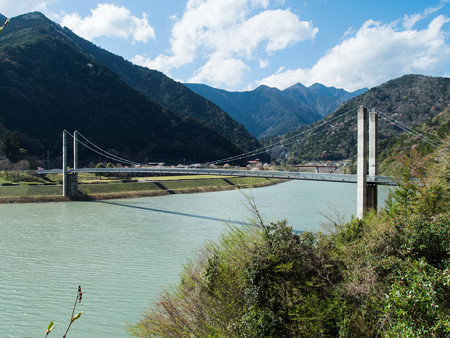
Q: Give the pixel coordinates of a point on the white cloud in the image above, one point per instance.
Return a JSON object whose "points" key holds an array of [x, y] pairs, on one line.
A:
{"points": [[410, 20], [277, 28], [348, 32], [375, 54], [111, 21], [218, 71], [264, 63], [212, 30], [13, 8]]}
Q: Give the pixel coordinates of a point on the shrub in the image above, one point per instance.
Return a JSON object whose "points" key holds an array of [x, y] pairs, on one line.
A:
{"points": [[385, 275], [418, 302]]}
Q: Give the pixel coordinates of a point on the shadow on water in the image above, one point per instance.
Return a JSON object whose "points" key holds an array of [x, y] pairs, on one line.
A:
{"points": [[175, 213]]}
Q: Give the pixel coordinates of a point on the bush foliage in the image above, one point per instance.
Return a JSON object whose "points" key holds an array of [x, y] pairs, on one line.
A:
{"points": [[387, 274]]}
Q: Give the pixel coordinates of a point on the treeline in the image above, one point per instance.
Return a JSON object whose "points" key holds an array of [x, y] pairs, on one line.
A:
{"points": [[385, 275]]}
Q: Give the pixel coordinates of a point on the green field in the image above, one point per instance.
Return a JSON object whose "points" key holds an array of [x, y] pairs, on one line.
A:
{"points": [[99, 189], [30, 190]]}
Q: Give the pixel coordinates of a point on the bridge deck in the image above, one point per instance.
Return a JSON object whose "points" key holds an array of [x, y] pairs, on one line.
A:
{"points": [[344, 178]]}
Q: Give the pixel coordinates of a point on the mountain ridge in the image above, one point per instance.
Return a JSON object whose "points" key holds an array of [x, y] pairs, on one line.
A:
{"points": [[267, 111]]}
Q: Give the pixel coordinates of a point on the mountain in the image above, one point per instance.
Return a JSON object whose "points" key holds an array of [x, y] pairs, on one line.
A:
{"points": [[409, 101], [165, 91], [320, 98], [49, 84], [269, 111]]}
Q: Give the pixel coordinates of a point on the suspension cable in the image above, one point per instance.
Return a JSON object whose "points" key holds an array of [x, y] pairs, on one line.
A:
{"points": [[107, 156], [103, 152], [280, 143], [408, 130], [272, 146]]}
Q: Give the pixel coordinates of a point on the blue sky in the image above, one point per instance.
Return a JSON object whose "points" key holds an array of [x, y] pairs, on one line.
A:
{"points": [[240, 44]]}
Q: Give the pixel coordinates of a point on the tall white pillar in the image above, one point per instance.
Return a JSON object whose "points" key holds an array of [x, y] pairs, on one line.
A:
{"points": [[64, 166], [361, 162], [75, 149], [372, 187], [373, 130]]}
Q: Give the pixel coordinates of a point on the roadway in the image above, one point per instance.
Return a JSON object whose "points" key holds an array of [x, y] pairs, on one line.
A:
{"points": [[292, 175]]}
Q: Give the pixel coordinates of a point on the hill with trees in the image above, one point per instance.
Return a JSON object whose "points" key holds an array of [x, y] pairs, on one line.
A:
{"points": [[405, 102], [269, 111], [159, 88], [49, 83]]}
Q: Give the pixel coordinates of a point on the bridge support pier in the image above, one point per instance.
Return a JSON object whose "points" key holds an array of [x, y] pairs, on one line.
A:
{"points": [[70, 180], [75, 149], [367, 192], [372, 188]]}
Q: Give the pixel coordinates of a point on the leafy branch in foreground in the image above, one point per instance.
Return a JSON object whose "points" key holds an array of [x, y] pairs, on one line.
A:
{"points": [[6, 22], [73, 318]]}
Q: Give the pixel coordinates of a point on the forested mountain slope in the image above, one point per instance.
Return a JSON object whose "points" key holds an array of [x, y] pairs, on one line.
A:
{"points": [[167, 92], [410, 100], [48, 85]]}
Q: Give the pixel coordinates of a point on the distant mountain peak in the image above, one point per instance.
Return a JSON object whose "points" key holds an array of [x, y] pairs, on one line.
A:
{"points": [[319, 85], [34, 16], [267, 111], [297, 85], [265, 88]]}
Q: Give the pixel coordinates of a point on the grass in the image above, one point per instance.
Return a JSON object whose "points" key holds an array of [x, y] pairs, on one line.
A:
{"points": [[90, 189], [30, 190]]}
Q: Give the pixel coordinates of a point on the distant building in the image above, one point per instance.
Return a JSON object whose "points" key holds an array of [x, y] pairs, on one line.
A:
{"points": [[254, 162]]}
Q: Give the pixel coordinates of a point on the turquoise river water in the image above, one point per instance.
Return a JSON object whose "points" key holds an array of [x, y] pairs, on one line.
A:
{"points": [[123, 252]]}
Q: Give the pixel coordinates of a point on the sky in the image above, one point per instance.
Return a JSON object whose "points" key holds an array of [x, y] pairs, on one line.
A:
{"points": [[238, 45]]}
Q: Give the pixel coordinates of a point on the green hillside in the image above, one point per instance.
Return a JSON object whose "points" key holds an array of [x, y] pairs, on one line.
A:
{"points": [[411, 100], [167, 92], [48, 85]]}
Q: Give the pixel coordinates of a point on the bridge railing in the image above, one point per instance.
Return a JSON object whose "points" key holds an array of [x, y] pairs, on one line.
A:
{"points": [[345, 178]]}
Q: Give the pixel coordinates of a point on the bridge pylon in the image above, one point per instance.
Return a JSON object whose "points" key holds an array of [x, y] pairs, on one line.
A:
{"points": [[367, 192], [70, 180]]}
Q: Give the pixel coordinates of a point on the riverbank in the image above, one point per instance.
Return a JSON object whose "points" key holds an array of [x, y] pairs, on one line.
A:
{"points": [[133, 189]]}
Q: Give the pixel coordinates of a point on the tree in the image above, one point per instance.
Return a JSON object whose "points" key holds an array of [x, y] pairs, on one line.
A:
{"points": [[20, 166], [11, 142], [99, 165], [109, 165]]}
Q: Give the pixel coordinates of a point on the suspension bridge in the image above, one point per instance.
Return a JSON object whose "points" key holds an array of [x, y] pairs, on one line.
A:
{"points": [[367, 178]]}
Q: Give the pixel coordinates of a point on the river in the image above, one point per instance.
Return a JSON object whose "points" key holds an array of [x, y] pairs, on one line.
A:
{"points": [[123, 252]]}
